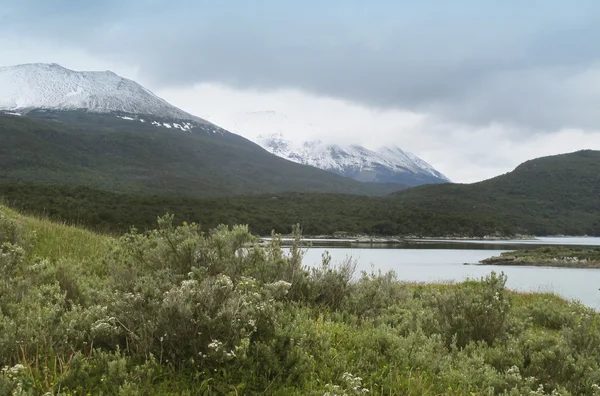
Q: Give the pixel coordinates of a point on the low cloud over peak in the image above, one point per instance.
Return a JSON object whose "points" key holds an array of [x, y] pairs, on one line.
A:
{"points": [[532, 68]]}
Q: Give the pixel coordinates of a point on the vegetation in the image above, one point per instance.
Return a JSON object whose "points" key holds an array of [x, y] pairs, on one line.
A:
{"points": [[178, 311], [550, 256], [105, 152], [107, 173], [548, 196]]}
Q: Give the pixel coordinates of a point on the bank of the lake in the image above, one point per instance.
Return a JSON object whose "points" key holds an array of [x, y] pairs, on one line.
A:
{"points": [[562, 256], [445, 263]]}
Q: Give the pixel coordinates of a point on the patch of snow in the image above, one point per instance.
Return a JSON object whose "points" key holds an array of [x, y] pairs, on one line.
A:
{"points": [[270, 130], [51, 86], [12, 113], [126, 118], [343, 158], [167, 125]]}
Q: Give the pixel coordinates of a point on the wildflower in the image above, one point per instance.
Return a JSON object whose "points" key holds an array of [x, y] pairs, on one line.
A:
{"points": [[215, 345]]}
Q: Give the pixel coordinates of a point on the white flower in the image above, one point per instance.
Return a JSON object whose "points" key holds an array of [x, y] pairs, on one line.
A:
{"points": [[13, 371], [215, 345]]}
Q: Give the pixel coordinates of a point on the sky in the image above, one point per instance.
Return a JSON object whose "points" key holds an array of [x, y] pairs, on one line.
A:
{"points": [[472, 87]]}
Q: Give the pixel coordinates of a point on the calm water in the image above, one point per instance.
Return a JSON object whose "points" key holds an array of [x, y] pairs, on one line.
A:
{"points": [[445, 262]]}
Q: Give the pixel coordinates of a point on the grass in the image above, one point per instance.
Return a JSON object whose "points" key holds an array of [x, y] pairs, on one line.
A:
{"points": [[55, 240]]}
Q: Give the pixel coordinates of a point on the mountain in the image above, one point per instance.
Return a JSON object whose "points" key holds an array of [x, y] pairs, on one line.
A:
{"points": [[99, 130], [546, 196], [51, 86], [386, 165], [272, 129]]}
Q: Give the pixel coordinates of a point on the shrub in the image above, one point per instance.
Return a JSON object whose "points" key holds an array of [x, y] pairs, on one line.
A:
{"points": [[474, 311], [375, 293], [10, 230], [330, 285]]}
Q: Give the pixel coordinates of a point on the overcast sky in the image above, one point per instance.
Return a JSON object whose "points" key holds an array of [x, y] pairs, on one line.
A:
{"points": [[472, 87]]}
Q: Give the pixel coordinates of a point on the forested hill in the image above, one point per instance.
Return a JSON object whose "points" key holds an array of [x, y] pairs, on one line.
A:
{"points": [[546, 196], [157, 156], [565, 180], [558, 194]]}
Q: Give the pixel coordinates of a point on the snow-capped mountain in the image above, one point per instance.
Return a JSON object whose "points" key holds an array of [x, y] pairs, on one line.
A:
{"points": [[270, 129], [386, 165], [53, 87]]}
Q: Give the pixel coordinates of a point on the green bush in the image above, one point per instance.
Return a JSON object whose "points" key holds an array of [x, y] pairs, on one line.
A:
{"points": [[474, 311], [330, 285], [10, 231]]}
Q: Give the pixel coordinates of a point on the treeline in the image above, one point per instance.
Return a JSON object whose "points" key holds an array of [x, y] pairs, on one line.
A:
{"points": [[445, 210]]}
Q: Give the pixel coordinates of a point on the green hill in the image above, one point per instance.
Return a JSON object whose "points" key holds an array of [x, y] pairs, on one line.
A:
{"points": [[105, 152], [547, 196], [551, 195]]}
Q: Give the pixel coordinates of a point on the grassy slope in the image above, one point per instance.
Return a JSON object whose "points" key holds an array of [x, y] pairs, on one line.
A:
{"points": [[106, 152], [54, 240]]}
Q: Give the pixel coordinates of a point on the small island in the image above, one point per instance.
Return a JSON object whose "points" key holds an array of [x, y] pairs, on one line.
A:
{"points": [[568, 257]]}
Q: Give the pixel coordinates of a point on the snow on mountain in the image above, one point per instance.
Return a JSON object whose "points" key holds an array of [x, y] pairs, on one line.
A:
{"points": [[388, 164], [51, 86], [270, 130]]}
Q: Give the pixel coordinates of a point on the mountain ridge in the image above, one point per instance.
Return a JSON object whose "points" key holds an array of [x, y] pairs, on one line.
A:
{"points": [[107, 152], [54, 87], [100, 130], [387, 164]]}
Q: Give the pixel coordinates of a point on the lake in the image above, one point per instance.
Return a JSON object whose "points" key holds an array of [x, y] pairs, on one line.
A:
{"points": [[440, 261]]}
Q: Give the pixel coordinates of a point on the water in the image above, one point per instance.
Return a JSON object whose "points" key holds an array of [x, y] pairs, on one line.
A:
{"points": [[444, 261]]}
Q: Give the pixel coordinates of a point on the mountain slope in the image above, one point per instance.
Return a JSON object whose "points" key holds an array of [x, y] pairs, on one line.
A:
{"points": [[51, 86], [547, 196], [386, 165], [273, 131], [97, 129], [103, 151]]}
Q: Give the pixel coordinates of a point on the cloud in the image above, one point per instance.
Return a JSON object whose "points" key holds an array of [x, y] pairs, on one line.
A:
{"points": [[472, 87], [463, 152], [532, 63]]}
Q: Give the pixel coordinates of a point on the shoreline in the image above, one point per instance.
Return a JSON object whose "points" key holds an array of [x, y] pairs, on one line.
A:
{"points": [[399, 240], [558, 257], [541, 263]]}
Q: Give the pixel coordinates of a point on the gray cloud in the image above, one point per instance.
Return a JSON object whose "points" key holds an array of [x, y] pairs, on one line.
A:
{"points": [[536, 65]]}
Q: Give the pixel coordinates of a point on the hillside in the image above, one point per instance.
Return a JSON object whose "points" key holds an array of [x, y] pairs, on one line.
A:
{"points": [[547, 196], [551, 195], [123, 154], [176, 311]]}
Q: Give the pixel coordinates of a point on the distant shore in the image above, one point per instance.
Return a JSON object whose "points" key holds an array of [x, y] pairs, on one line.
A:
{"points": [[549, 257], [368, 240]]}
